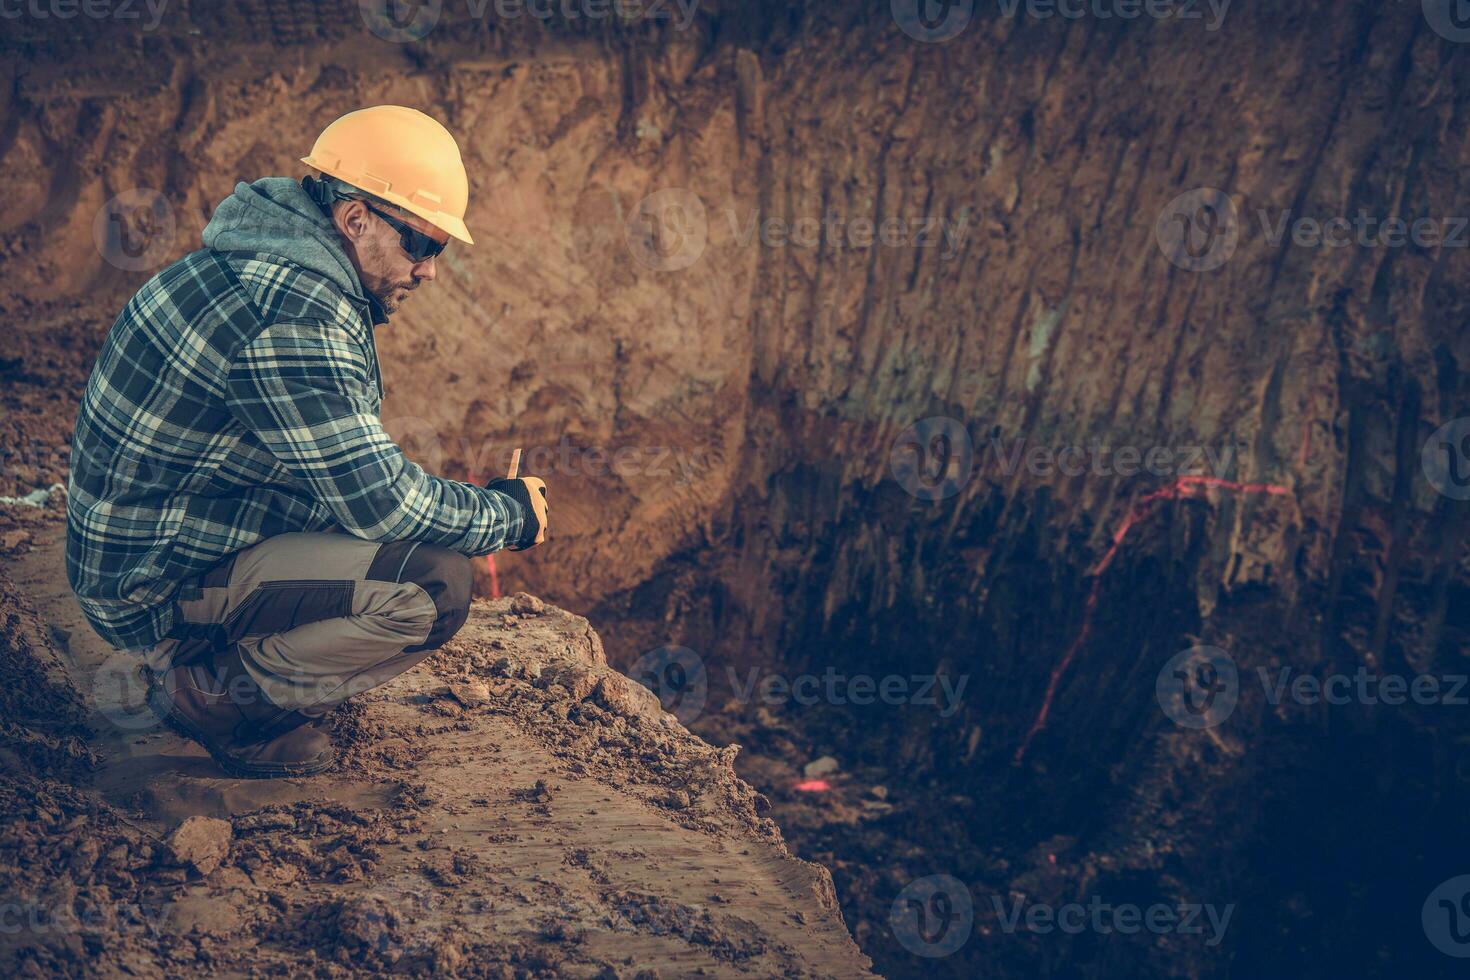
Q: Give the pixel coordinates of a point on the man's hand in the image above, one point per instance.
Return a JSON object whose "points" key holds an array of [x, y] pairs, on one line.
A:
{"points": [[530, 493]]}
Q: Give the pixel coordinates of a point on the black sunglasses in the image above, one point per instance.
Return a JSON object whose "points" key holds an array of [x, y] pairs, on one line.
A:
{"points": [[418, 245]]}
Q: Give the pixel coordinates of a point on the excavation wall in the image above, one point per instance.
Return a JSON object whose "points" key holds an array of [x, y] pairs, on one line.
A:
{"points": [[720, 405]]}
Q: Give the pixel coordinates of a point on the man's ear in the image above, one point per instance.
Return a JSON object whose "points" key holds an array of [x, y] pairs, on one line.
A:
{"points": [[351, 219]]}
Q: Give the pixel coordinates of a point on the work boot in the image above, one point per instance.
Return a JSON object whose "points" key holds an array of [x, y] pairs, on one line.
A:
{"points": [[223, 709]]}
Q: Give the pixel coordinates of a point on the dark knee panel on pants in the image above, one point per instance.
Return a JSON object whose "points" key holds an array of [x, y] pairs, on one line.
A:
{"points": [[445, 575]]}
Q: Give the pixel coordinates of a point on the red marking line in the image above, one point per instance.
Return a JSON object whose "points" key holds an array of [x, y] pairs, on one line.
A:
{"points": [[494, 578], [1185, 486], [813, 786]]}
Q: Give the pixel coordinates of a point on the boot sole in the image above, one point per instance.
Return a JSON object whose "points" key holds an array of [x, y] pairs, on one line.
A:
{"points": [[162, 707]]}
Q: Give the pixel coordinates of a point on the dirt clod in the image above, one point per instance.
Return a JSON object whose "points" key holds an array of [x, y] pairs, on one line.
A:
{"points": [[201, 843], [524, 604], [471, 694]]}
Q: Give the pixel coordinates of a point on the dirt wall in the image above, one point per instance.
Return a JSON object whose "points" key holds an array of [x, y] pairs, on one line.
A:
{"points": [[761, 386], [1047, 315]]}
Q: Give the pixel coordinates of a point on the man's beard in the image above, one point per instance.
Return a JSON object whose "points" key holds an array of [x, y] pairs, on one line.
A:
{"points": [[388, 294], [390, 298]]}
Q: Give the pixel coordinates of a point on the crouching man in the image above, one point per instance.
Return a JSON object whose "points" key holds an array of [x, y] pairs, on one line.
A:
{"points": [[236, 511]]}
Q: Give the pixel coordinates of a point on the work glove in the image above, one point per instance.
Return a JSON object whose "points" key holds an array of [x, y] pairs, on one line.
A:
{"points": [[530, 493]]}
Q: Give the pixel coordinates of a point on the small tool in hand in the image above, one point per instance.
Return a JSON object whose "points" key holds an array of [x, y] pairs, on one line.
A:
{"points": [[530, 493]]}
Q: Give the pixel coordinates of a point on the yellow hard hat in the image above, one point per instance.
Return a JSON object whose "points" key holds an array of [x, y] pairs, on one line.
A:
{"points": [[404, 157]]}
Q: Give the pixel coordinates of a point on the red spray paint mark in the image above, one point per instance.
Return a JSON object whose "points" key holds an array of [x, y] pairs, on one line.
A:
{"points": [[494, 578], [813, 786], [1185, 486]]}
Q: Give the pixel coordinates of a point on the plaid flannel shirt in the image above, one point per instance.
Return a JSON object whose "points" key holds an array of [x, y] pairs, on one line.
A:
{"points": [[237, 398]]}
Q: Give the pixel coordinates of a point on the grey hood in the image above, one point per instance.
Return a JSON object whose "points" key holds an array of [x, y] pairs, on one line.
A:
{"points": [[276, 216]]}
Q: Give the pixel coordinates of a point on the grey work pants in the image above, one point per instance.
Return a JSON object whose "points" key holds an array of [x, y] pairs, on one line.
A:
{"points": [[318, 618]]}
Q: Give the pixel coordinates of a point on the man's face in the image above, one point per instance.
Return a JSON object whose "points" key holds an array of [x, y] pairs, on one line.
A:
{"points": [[376, 249]]}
